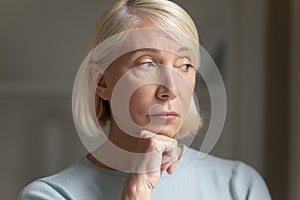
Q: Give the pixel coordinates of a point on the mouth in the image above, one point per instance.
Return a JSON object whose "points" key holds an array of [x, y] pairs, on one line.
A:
{"points": [[166, 115]]}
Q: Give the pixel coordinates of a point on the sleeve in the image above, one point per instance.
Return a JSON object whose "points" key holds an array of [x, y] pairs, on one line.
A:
{"points": [[41, 190], [248, 184]]}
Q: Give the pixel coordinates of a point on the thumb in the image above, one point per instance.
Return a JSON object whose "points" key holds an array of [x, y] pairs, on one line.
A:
{"points": [[171, 145]]}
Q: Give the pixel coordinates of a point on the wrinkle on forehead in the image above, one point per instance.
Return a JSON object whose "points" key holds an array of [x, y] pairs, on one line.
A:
{"points": [[150, 38]]}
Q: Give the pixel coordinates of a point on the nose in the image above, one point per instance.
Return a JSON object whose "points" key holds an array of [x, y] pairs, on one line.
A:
{"points": [[164, 93], [167, 90]]}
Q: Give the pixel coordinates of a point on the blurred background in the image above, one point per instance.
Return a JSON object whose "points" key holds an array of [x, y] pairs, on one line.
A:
{"points": [[255, 43]]}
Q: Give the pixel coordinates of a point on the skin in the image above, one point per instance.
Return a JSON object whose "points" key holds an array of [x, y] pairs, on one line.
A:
{"points": [[172, 99]]}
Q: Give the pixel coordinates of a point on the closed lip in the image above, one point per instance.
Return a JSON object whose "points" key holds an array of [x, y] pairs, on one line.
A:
{"points": [[165, 114]]}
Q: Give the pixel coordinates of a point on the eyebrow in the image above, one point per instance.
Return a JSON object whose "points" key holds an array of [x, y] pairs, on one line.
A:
{"points": [[154, 50], [147, 49], [183, 49]]}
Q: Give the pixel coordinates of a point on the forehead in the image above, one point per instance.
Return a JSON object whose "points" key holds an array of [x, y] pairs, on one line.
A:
{"points": [[154, 38], [149, 39]]}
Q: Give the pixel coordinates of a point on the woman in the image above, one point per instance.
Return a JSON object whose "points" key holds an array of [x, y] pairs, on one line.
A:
{"points": [[139, 76]]}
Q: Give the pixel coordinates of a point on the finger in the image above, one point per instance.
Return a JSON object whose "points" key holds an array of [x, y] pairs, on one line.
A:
{"points": [[155, 153], [169, 158], [171, 169], [146, 134], [171, 145], [157, 142]]}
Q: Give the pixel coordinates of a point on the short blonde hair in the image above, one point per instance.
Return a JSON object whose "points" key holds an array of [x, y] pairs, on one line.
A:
{"points": [[125, 15]]}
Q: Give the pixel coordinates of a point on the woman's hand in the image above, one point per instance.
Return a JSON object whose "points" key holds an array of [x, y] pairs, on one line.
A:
{"points": [[160, 153]]}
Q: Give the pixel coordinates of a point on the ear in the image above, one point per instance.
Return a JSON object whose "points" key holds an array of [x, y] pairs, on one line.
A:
{"points": [[97, 80]]}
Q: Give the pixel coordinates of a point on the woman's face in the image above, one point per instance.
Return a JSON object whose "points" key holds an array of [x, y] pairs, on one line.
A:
{"points": [[164, 85], [158, 84]]}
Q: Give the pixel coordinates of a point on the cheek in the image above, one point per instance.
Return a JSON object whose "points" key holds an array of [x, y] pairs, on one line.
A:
{"points": [[192, 80], [134, 105], [186, 90], [140, 101]]}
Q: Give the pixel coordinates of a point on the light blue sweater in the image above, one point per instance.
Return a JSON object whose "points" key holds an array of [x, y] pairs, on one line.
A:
{"points": [[210, 178]]}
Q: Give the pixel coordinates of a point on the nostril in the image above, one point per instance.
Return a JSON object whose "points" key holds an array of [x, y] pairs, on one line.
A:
{"points": [[164, 96], [164, 93]]}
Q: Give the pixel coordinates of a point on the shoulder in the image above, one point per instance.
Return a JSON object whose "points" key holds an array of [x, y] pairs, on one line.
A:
{"points": [[192, 158], [40, 189], [241, 179], [56, 186]]}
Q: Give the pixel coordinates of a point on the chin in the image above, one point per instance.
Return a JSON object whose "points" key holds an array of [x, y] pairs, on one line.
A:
{"points": [[169, 129], [167, 132]]}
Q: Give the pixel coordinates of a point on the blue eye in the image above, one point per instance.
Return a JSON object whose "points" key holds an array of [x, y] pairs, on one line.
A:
{"points": [[185, 67], [146, 65]]}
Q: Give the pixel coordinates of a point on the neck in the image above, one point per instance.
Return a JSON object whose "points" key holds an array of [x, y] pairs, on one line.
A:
{"points": [[118, 138], [121, 139]]}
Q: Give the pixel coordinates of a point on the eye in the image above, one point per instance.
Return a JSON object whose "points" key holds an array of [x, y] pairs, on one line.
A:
{"points": [[185, 67], [146, 65]]}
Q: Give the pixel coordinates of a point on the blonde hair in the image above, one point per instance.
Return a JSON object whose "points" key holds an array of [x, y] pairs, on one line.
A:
{"points": [[123, 16]]}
